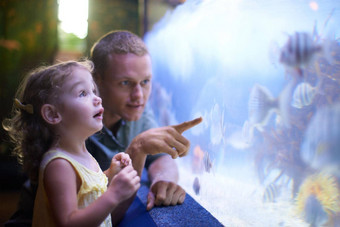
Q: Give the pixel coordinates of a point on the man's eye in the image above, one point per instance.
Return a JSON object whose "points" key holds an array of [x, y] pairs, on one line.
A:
{"points": [[125, 83], [145, 82]]}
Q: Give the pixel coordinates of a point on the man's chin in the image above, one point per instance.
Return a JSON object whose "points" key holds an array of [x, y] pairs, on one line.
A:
{"points": [[134, 117]]}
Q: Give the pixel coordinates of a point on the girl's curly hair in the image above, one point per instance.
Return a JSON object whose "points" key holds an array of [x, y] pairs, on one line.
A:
{"points": [[28, 131]]}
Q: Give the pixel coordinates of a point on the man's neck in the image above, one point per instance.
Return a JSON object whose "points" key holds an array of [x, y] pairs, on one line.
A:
{"points": [[112, 122], [115, 127]]}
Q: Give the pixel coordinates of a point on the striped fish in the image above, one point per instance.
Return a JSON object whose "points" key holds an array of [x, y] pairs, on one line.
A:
{"points": [[299, 50], [303, 95], [271, 192]]}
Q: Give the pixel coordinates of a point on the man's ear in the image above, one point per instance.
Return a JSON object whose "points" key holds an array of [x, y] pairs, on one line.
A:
{"points": [[50, 114]]}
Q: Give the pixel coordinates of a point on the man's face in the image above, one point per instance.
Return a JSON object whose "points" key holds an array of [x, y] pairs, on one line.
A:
{"points": [[125, 87]]}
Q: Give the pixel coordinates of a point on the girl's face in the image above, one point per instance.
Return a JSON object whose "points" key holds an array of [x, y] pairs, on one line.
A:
{"points": [[80, 108]]}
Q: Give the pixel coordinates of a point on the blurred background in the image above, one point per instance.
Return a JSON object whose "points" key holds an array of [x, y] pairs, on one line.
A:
{"points": [[264, 75]]}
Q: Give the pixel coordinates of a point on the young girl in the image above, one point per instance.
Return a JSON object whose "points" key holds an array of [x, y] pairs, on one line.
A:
{"points": [[55, 111]]}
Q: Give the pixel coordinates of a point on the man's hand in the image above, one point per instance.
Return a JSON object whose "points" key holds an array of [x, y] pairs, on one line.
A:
{"points": [[169, 140], [166, 139], [165, 193], [187, 125]]}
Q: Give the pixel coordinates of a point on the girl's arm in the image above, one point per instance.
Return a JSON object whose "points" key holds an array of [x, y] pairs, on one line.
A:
{"points": [[62, 184]]}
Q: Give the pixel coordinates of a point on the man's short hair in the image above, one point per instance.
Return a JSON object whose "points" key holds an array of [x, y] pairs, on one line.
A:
{"points": [[118, 42]]}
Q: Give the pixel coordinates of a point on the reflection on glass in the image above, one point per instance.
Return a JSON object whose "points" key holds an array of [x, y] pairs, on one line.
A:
{"points": [[265, 77]]}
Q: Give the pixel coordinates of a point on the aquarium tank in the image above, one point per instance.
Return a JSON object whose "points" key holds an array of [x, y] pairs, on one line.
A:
{"points": [[265, 78]]}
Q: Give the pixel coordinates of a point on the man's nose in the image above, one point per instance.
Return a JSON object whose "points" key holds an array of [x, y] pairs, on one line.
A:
{"points": [[137, 91]]}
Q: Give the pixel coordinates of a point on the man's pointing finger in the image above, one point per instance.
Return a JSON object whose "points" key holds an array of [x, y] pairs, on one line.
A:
{"points": [[187, 125]]}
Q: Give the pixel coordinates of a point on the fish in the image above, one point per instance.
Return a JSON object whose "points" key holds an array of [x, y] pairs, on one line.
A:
{"points": [[201, 128], [196, 186], [321, 139], [161, 103], [197, 160], [248, 132], [299, 51], [262, 104], [208, 164], [217, 125], [214, 123], [304, 95], [271, 193], [302, 48], [242, 138], [304, 92]]}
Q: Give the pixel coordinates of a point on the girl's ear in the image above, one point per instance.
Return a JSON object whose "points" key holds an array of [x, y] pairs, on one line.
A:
{"points": [[50, 114]]}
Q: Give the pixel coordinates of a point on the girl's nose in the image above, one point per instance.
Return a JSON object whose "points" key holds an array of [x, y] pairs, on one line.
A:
{"points": [[97, 100]]}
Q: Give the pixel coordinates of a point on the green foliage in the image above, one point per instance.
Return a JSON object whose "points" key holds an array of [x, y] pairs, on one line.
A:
{"points": [[28, 38], [71, 42]]}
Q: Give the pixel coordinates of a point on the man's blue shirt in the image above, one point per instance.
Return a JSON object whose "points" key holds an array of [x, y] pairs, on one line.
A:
{"points": [[104, 145]]}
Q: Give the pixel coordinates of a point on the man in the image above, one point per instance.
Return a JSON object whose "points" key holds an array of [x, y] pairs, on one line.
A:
{"points": [[123, 74]]}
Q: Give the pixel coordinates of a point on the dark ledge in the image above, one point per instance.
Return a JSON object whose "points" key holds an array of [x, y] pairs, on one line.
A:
{"points": [[190, 213]]}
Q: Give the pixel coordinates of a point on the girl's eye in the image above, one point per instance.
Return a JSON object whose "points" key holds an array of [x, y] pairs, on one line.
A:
{"points": [[83, 94]]}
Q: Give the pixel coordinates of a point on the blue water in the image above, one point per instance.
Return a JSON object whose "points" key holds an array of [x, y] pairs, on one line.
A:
{"points": [[207, 55]]}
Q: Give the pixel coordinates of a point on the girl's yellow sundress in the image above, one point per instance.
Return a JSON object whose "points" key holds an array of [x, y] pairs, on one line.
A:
{"points": [[93, 185]]}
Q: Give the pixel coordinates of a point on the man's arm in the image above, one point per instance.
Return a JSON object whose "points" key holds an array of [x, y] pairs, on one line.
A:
{"points": [[164, 190], [163, 172]]}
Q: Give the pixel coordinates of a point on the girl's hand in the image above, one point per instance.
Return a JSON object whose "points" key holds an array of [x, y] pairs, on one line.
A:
{"points": [[123, 158], [124, 184], [118, 162]]}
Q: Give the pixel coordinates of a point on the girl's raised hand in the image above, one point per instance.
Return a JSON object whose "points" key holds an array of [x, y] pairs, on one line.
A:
{"points": [[118, 162], [124, 184], [123, 158]]}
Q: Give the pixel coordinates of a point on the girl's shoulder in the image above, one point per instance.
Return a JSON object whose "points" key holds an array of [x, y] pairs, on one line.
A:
{"points": [[52, 155]]}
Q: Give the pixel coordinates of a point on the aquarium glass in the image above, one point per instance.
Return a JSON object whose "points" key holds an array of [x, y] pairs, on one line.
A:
{"points": [[265, 78]]}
